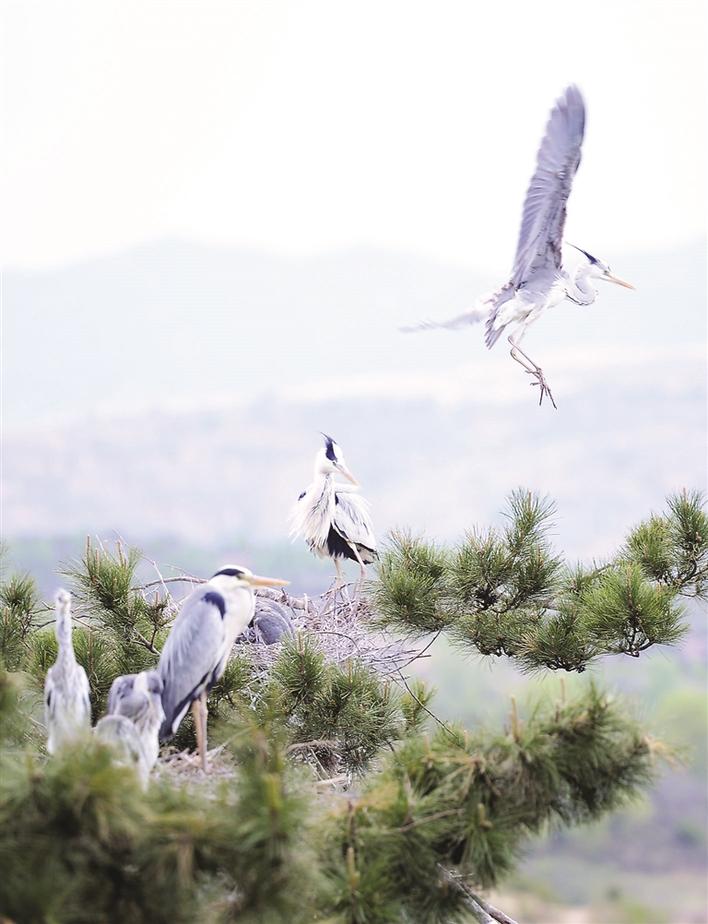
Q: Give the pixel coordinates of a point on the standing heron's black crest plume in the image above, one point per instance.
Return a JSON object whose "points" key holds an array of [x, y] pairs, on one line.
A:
{"points": [[329, 444]]}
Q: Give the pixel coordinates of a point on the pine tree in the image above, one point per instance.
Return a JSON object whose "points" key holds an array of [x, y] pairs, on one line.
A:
{"points": [[338, 795]]}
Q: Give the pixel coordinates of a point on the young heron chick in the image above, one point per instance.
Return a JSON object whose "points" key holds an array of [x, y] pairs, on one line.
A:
{"points": [[133, 720], [67, 707], [333, 520], [198, 647]]}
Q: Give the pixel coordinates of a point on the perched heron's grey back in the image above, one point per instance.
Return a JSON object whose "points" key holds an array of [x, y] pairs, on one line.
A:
{"points": [[192, 658]]}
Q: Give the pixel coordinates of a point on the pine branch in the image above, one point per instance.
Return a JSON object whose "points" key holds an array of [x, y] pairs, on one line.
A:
{"points": [[508, 593]]}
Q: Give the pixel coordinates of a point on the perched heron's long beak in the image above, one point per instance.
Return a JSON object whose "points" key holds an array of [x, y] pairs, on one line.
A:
{"points": [[620, 282], [256, 580], [347, 474]]}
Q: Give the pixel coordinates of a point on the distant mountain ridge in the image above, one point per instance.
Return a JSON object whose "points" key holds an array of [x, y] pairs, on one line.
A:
{"points": [[180, 390], [175, 322]]}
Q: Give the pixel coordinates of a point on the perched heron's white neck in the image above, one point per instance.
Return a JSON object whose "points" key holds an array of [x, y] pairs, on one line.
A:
{"points": [[580, 288], [62, 629], [320, 473]]}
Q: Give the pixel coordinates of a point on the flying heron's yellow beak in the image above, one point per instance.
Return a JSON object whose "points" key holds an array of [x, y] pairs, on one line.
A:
{"points": [[620, 282], [255, 580], [341, 467]]}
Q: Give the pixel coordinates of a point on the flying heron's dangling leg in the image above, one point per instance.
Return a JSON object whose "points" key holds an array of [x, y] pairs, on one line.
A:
{"points": [[530, 366]]}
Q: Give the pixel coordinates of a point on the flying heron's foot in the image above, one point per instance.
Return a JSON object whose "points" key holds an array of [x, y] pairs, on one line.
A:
{"points": [[543, 386]]}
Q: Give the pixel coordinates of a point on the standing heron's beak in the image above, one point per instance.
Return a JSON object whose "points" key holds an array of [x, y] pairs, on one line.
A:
{"points": [[341, 467], [256, 580], [620, 282]]}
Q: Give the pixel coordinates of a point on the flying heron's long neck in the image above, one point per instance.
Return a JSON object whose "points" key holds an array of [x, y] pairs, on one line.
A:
{"points": [[580, 289]]}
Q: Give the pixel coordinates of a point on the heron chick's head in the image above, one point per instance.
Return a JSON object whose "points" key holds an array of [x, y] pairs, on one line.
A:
{"points": [[598, 269], [62, 598], [237, 576], [138, 697], [330, 460]]}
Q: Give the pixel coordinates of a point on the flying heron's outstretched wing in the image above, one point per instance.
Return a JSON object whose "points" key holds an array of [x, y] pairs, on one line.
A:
{"points": [[353, 522], [192, 655], [558, 159]]}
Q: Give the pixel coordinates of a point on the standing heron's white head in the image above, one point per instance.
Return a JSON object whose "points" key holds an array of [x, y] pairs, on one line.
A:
{"points": [[330, 460], [598, 269], [233, 577]]}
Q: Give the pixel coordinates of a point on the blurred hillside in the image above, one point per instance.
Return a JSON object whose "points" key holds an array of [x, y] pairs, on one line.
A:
{"points": [[178, 390]]}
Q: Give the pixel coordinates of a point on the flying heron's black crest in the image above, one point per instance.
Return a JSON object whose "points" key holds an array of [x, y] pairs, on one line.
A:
{"points": [[229, 572], [588, 255], [329, 444]]}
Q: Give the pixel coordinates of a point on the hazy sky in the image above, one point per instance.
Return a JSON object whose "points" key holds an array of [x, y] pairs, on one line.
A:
{"points": [[311, 125]]}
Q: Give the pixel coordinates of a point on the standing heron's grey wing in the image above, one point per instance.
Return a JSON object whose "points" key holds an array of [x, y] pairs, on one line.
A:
{"points": [[352, 520], [192, 654], [558, 159]]}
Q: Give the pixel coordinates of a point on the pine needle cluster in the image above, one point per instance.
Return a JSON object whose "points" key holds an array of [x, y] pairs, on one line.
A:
{"points": [[507, 592]]}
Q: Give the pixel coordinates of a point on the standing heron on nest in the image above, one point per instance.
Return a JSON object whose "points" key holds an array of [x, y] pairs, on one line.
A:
{"points": [[67, 707], [333, 520], [133, 719], [539, 281], [198, 647]]}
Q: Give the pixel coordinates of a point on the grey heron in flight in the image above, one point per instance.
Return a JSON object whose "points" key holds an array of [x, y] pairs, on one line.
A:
{"points": [[539, 280], [133, 720], [199, 644], [333, 520], [67, 707]]}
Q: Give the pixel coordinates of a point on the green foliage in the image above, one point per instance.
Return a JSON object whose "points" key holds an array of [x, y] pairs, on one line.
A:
{"points": [[19, 604], [506, 592], [672, 549], [470, 801], [79, 842], [104, 584], [338, 717], [411, 590]]}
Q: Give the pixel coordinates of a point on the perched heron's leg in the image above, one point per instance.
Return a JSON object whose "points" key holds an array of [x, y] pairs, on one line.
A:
{"points": [[203, 720], [197, 716], [340, 576], [362, 566], [530, 366]]}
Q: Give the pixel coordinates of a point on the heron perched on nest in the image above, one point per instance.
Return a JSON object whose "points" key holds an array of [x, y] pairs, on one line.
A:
{"points": [[539, 280], [333, 520], [271, 623], [198, 647], [133, 720], [67, 706]]}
